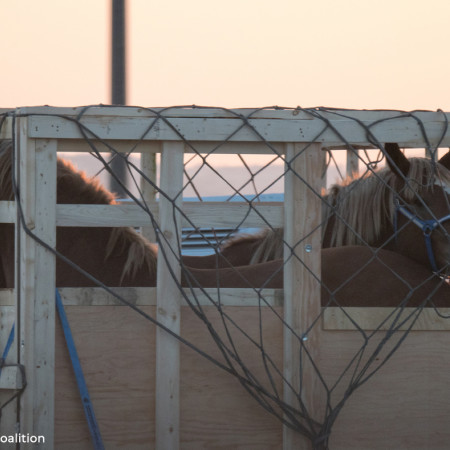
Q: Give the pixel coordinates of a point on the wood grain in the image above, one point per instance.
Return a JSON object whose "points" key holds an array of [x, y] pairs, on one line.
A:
{"points": [[302, 284]]}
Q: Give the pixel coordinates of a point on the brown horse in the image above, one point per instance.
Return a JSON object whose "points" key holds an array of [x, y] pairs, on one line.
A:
{"points": [[121, 257], [394, 208]]}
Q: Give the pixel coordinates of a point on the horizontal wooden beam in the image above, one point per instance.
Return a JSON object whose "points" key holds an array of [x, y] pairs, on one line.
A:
{"points": [[374, 318], [199, 147], [332, 127], [333, 318], [146, 296], [198, 214], [277, 113]]}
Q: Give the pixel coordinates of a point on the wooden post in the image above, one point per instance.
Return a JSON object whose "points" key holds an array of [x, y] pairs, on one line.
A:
{"points": [[35, 282], [352, 165], [168, 302], [148, 167], [301, 290]]}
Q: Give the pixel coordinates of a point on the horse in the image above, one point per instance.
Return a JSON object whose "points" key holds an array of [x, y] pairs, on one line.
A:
{"points": [[122, 257], [403, 207]]}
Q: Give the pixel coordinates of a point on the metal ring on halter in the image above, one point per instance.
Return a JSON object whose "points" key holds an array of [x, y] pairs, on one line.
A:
{"points": [[427, 230]]}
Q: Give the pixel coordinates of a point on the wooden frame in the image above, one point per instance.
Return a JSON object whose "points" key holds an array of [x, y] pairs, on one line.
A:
{"points": [[43, 131]]}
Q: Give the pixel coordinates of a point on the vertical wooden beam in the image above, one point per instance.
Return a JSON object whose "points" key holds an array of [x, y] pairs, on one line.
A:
{"points": [[303, 182], [36, 171], [148, 167], [8, 420], [352, 165], [168, 301]]}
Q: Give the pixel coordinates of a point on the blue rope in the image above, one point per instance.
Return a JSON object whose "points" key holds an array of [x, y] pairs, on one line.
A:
{"points": [[7, 348], [85, 399]]}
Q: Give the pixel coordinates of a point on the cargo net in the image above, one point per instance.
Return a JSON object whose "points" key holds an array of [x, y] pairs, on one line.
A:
{"points": [[383, 231]]}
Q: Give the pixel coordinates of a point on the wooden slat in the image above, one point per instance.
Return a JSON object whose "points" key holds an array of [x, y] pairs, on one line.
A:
{"points": [[333, 318], [149, 191], [385, 318], [36, 318], [200, 214], [217, 113], [301, 289], [151, 147], [352, 165], [403, 130], [169, 301], [147, 296], [172, 112]]}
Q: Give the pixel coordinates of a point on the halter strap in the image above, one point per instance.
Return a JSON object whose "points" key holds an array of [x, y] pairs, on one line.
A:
{"points": [[427, 227]]}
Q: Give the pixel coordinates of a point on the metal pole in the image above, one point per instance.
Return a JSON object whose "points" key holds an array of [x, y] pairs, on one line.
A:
{"points": [[118, 81]]}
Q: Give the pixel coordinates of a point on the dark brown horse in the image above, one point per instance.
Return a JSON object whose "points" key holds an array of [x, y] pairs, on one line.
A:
{"points": [[121, 257], [394, 208]]}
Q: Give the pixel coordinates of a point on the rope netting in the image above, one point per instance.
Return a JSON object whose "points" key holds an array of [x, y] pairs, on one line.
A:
{"points": [[357, 267]]}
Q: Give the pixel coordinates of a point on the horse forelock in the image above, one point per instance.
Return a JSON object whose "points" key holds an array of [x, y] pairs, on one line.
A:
{"points": [[363, 206]]}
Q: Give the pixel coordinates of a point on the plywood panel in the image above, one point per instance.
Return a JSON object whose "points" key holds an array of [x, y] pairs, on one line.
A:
{"points": [[405, 405], [117, 352]]}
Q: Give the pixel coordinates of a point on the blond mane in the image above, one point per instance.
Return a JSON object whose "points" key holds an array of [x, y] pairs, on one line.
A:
{"points": [[269, 248], [361, 207], [74, 186], [364, 206]]}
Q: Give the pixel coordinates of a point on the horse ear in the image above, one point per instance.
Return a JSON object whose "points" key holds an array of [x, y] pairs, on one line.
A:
{"points": [[396, 160], [445, 160]]}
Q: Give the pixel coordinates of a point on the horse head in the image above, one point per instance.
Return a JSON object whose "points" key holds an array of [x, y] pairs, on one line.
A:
{"points": [[421, 215]]}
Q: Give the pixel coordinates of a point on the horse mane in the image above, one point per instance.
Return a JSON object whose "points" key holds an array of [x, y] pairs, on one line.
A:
{"points": [[270, 246], [360, 207], [74, 186], [363, 206]]}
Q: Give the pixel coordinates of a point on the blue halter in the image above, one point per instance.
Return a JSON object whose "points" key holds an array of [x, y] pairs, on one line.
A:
{"points": [[427, 227]]}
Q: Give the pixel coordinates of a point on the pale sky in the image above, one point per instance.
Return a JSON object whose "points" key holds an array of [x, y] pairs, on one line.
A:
{"points": [[364, 54]]}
